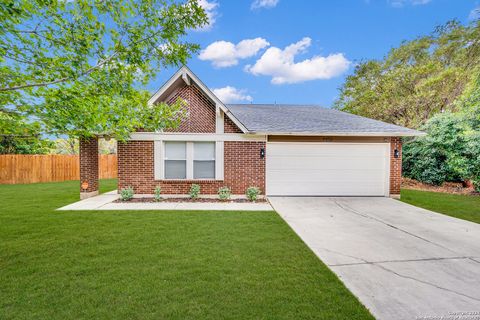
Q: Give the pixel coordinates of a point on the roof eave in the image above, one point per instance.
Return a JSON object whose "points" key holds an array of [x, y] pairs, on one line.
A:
{"points": [[346, 134]]}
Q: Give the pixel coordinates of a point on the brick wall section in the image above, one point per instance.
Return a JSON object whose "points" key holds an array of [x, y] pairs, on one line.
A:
{"points": [[243, 168], [135, 165], [229, 126], [395, 166], [200, 111], [89, 163]]}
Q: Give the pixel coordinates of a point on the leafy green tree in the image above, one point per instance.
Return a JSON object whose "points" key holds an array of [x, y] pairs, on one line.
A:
{"points": [[451, 150], [418, 79], [77, 66], [18, 136], [71, 146], [107, 146], [66, 146]]}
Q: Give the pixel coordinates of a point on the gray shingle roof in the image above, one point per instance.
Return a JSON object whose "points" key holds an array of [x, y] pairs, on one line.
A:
{"points": [[310, 119]]}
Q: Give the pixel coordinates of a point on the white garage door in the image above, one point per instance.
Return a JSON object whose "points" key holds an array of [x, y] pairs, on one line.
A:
{"points": [[327, 169]]}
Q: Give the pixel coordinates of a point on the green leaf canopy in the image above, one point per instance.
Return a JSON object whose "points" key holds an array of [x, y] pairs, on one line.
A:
{"points": [[416, 80], [78, 66]]}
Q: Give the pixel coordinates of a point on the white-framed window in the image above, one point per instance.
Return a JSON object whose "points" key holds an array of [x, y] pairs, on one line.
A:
{"points": [[175, 160], [203, 160], [178, 160]]}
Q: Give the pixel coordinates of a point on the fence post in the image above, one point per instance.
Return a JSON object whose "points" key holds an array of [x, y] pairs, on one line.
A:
{"points": [[88, 167]]}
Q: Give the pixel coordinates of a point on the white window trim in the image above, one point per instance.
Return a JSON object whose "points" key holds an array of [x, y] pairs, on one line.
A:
{"points": [[189, 161], [159, 159], [158, 167], [219, 152]]}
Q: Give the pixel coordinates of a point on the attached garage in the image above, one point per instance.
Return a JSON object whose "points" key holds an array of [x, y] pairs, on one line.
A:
{"points": [[314, 151], [327, 169]]}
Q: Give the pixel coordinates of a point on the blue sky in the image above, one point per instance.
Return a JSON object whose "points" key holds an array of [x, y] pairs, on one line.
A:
{"points": [[325, 39]]}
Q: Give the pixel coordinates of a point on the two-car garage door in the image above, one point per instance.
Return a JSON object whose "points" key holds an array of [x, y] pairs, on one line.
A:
{"points": [[327, 169]]}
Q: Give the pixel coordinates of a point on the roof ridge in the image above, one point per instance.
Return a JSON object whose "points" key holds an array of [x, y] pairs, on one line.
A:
{"points": [[279, 105]]}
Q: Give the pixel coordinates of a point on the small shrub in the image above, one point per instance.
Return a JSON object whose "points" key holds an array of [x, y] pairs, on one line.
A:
{"points": [[194, 191], [252, 193], [158, 193], [126, 193], [476, 184], [224, 193]]}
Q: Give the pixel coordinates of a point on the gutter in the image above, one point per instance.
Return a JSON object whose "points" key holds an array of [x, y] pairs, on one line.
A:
{"points": [[414, 133]]}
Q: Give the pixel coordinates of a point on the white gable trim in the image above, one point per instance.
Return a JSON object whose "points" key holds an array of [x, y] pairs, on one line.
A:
{"points": [[219, 122], [187, 75], [165, 86]]}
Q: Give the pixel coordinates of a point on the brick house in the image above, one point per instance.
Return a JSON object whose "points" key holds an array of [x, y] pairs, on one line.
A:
{"points": [[285, 150]]}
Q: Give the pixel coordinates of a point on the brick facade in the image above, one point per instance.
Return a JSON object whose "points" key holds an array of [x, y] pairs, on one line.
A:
{"points": [[88, 166], [395, 166], [200, 111], [230, 127], [243, 168]]}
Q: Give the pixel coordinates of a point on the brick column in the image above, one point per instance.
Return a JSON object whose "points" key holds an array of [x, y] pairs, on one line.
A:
{"points": [[395, 167], [88, 167]]}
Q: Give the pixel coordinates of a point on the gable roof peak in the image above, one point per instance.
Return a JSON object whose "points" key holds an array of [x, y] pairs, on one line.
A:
{"points": [[185, 76]]}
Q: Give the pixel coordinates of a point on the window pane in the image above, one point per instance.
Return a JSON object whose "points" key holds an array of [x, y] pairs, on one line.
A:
{"points": [[204, 169], [204, 151], [175, 150], [175, 169]]}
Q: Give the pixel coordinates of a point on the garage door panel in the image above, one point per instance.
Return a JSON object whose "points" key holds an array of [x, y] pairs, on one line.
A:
{"points": [[333, 189], [306, 164], [304, 150], [328, 169], [334, 174]]}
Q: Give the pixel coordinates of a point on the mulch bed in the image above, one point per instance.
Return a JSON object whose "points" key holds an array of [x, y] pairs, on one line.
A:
{"points": [[198, 200], [446, 187]]}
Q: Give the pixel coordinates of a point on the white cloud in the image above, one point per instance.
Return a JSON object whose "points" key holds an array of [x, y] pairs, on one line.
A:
{"points": [[280, 64], [475, 13], [226, 54], [230, 94], [210, 8], [401, 3], [257, 4]]}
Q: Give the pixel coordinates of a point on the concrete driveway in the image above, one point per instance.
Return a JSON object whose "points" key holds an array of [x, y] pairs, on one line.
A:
{"points": [[401, 261]]}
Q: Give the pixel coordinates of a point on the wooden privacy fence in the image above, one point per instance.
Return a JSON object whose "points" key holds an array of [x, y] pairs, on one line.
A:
{"points": [[19, 168]]}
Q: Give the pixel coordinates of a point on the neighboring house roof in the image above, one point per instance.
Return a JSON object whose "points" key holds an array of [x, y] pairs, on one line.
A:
{"points": [[311, 120]]}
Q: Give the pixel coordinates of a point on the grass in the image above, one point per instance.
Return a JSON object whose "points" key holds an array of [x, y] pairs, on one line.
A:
{"points": [[156, 265], [458, 206]]}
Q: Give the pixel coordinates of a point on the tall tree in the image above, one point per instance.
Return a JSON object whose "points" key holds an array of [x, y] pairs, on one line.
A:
{"points": [[416, 80], [18, 136], [451, 149], [77, 66]]}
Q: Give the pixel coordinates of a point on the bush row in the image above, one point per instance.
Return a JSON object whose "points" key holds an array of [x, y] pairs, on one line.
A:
{"points": [[224, 193]]}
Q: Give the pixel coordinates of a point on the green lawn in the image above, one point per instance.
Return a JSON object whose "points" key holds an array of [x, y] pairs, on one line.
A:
{"points": [[156, 265], [458, 206]]}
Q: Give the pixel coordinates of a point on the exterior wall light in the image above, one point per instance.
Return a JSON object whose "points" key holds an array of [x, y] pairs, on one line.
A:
{"points": [[262, 153], [396, 153]]}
